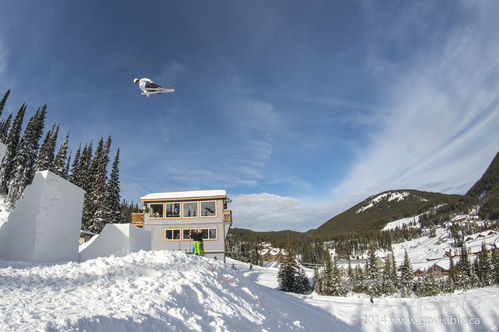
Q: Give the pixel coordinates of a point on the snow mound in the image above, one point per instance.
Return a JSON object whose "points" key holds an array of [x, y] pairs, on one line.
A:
{"points": [[144, 291]]}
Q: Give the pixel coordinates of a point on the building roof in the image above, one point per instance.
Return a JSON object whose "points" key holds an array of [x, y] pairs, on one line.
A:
{"points": [[184, 194]]}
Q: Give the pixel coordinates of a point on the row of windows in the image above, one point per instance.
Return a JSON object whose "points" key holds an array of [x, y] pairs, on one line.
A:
{"points": [[174, 234], [189, 209]]}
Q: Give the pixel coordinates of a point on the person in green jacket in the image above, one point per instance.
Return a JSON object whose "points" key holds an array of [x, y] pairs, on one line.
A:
{"points": [[197, 237]]}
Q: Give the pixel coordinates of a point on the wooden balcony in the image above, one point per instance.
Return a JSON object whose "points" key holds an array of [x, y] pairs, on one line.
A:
{"points": [[138, 219], [227, 215]]}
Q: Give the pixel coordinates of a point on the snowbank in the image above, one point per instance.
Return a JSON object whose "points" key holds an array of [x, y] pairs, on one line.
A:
{"points": [[117, 240], [149, 291], [45, 225]]}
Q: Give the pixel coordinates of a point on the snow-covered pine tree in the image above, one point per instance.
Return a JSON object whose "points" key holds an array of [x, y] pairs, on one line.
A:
{"points": [[84, 168], [428, 286], [407, 277], [495, 265], [12, 143], [337, 288], [372, 272], [452, 278], [393, 273], [66, 168], [286, 273], [317, 281], [359, 281], [60, 159], [465, 271], [3, 101], [351, 277], [4, 129], [47, 151], [327, 275], [97, 195], [73, 176], [24, 161], [484, 270], [387, 281]]}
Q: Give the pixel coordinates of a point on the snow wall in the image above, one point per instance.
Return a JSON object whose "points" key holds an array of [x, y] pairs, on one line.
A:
{"points": [[117, 240], [45, 225], [3, 149]]}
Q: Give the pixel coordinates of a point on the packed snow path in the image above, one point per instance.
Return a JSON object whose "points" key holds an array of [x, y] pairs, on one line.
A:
{"points": [[148, 291]]}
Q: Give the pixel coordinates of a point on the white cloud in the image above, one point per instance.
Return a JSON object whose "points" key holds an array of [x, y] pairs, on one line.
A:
{"points": [[269, 212], [441, 132]]}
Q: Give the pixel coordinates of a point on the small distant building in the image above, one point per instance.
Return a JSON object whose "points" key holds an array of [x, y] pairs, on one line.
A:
{"points": [[172, 216], [85, 236]]}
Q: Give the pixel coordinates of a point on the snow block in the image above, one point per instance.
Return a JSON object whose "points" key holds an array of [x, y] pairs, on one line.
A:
{"points": [[117, 240], [3, 149], [45, 225]]}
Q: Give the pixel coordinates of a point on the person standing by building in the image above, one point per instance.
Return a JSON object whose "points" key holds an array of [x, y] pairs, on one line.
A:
{"points": [[197, 237]]}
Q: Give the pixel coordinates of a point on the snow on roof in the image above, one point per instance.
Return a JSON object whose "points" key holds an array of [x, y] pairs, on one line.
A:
{"points": [[184, 194]]}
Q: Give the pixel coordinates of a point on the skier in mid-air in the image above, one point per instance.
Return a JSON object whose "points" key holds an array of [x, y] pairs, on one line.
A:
{"points": [[148, 87]]}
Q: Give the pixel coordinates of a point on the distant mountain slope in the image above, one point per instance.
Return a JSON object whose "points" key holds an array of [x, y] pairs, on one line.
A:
{"points": [[378, 210], [486, 190]]}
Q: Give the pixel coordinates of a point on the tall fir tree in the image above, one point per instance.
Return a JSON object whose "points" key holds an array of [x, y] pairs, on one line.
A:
{"points": [[3, 101], [12, 143], [24, 161], [84, 168], [113, 191], [4, 129], [47, 151], [407, 277], [96, 208], [60, 159], [484, 270], [372, 272], [73, 176], [465, 270], [387, 281], [495, 265]]}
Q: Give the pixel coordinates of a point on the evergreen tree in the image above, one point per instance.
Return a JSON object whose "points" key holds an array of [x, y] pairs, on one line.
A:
{"points": [[73, 177], [24, 161], [452, 278], [60, 159], [465, 272], [495, 264], [372, 272], [4, 129], [359, 282], [3, 101], [291, 277], [407, 277], [327, 276], [84, 168], [96, 212], [387, 282], [393, 274], [484, 270], [12, 143], [336, 287], [47, 151], [66, 168], [428, 286]]}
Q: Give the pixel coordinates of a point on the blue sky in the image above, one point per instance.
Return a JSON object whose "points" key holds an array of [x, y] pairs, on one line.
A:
{"points": [[298, 109]]}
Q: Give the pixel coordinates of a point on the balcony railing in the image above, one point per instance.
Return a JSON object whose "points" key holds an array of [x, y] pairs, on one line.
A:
{"points": [[138, 219], [227, 215]]}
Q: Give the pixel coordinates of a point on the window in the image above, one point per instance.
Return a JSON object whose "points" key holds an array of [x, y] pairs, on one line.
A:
{"points": [[186, 233], [156, 210], [172, 234], [209, 233], [173, 210], [190, 209], [208, 209]]}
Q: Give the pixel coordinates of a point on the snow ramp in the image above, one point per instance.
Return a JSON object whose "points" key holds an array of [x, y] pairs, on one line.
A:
{"points": [[149, 291]]}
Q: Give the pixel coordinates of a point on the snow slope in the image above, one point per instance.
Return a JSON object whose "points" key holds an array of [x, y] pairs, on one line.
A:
{"points": [[148, 291], [473, 310]]}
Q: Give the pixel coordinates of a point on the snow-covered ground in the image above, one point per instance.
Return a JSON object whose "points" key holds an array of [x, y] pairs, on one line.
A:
{"points": [[163, 290]]}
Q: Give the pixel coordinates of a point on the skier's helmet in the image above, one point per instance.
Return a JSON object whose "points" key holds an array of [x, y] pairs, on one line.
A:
{"points": [[135, 80]]}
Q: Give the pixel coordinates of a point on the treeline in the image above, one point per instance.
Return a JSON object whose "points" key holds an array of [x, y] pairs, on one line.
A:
{"points": [[392, 279], [88, 169]]}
